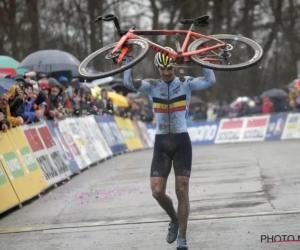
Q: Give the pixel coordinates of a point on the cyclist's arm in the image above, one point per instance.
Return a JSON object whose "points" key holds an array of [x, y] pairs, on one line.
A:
{"points": [[197, 83], [135, 84]]}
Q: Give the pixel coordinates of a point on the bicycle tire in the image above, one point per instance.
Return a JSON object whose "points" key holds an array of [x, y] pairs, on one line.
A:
{"points": [[258, 53], [92, 76]]}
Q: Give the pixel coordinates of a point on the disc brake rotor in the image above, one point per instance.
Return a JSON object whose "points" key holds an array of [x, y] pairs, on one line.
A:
{"points": [[225, 55], [114, 56]]}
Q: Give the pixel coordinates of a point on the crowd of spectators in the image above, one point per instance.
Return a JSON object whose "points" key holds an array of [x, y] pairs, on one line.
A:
{"points": [[35, 97], [246, 106], [278, 101]]}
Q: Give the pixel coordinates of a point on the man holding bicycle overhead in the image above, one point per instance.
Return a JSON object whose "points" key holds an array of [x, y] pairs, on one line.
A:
{"points": [[170, 98]]}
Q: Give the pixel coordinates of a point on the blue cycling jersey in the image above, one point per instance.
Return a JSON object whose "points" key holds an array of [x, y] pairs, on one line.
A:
{"points": [[169, 101]]}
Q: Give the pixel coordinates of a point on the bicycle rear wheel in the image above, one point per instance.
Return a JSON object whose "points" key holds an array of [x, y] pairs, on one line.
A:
{"points": [[240, 53], [92, 68]]}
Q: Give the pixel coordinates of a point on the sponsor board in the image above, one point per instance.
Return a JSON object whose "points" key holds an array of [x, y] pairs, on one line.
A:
{"points": [[129, 133], [55, 155], [50, 172], [69, 144], [66, 156], [8, 195], [230, 130], [255, 128], [111, 133], [103, 149], [203, 133], [292, 127], [275, 127], [151, 130]]}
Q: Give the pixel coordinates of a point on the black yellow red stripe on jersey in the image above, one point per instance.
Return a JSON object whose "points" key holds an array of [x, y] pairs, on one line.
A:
{"points": [[169, 106]]}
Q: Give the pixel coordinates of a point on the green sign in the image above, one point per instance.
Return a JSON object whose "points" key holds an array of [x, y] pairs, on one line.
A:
{"points": [[128, 133], [2, 176], [28, 159], [13, 165]]}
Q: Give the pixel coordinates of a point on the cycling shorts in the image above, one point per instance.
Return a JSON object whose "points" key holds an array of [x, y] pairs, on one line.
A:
{"points": [[172, 148]]}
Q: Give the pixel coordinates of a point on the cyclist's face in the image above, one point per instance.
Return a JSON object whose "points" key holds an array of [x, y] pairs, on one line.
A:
{"points": [[167, 73]]}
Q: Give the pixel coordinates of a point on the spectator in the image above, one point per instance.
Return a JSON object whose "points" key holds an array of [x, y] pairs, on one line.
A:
{"points": [[107, 104], [267, 106], [16, 97], [54, 110], [45, 88], [200, 113], [31, 110], [4, 123], [211, 112]]}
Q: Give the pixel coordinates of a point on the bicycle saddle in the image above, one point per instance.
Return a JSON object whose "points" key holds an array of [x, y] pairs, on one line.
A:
{"points": [[199, 21]]}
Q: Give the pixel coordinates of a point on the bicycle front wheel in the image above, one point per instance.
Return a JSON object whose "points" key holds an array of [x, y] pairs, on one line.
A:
{"points": [[102, 64], [240, 53]]}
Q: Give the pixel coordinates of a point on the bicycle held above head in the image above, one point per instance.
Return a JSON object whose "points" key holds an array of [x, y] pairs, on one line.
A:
{"points": [[219, 52]]}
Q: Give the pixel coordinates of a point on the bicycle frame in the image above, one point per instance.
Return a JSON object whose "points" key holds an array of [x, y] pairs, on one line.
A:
{"points": [[136, 34]]}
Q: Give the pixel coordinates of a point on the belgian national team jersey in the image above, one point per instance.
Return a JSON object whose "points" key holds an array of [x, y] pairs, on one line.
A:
{"points": [[170, 101]]}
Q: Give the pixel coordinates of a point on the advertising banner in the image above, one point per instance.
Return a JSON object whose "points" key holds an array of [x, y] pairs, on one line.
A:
{"points": [[143, 135], [111, 133], [9, 198], [88, 140], [151, 132], [33, 171], [71, 163], [15, 171], [292, 127], [202, 133], [77, 136], [69, 145], [275, 127], [53, 152], [95, 134], [230, 130], [255, 128], [128, 132], [50, 171]]}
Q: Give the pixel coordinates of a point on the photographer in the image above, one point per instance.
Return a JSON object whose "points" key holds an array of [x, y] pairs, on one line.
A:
{"points": [[4, 123]]}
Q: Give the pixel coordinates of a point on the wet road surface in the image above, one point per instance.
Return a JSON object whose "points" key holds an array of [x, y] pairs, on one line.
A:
{"points": [[238, 193]]}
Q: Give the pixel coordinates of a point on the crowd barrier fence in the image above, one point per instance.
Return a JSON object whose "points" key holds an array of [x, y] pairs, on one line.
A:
{"points": [[38, 156]]}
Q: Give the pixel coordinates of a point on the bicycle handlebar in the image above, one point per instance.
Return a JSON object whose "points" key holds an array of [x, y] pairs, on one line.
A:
{"points": [[110, 17]]}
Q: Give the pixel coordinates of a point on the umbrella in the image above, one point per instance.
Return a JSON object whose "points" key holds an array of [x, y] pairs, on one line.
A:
{"points": [[5, 85], [274, 93], [4, 75], [10, 71], [8, 62], [118, 99], [237, 103], [48, 61], [21, 71]]}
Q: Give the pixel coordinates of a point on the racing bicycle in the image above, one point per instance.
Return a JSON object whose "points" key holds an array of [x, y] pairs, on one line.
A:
{"points": [[219, 52]]}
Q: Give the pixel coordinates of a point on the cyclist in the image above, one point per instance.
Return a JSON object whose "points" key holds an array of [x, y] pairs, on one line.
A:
{"points": [[170, 98]]}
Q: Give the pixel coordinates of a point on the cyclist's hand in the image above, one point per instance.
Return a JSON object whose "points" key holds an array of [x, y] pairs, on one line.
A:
{"points": [[130, 51]]}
